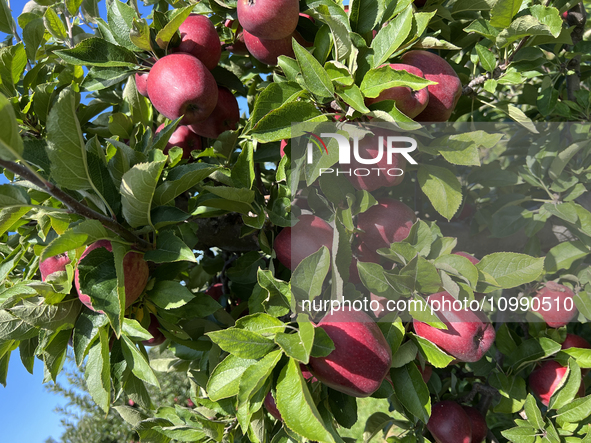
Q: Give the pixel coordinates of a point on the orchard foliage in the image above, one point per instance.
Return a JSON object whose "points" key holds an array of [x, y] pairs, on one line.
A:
{"points": [[508, 182]]}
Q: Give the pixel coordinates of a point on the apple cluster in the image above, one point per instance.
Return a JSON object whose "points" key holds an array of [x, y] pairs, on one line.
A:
{"points": [[181, 84]]}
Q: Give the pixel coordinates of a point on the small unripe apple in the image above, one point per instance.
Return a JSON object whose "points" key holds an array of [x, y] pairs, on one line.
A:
{"points": [[135, 273], [467, 337], [361, 358], [216, 291], [366, 177], [308, 235], [449, 423], [271, 406], [556, 304], [200, 39], [444, 96], [225, 116], [184, 138], [179, 84], [269, 19], [157, 336], [385, 223], [57, 263], [546, 378], [479, 426], [408, 101]]}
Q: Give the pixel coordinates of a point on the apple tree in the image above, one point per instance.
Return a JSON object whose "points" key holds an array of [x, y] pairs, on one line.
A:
{"points": [[145, 207]]}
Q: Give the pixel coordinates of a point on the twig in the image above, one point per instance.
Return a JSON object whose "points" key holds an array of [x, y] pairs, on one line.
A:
{"points": [[74, 205], [69, 25]]}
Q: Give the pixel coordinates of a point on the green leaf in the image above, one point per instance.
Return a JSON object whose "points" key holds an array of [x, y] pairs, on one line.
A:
{"points": [[242, 343], [54, 25], [120, 17], [522, 27], [11, 144], [170, 248], [6, 21], [98, 372], [278, 294], [442, 188], [170, 294], [140, 108], [377, 80], [336, 18], [353, 97], [563, 158], [569, 386], [98, 52], [563, 255], [531, 350], [484, 28], [510, 270], [224, 381], [575, 411], [412, 391], [339, 73], [521, 434], [503, 12], [309, 275], [298, 345], [73, 6], [85, 233], [165, 34], [316, 79], [181, 179], [487, 58], [534, 415], [138, 363], [140, 34], [434, 355], [274, 96], [243, 171], [33, 36], [390, 38], [138, 186], [297, 407], [261, 323], [13, 60], [548, 16], [512, 390]]}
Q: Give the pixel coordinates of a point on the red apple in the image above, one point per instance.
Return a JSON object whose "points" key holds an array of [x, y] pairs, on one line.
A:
{"points": [[179, 84], [361, 358], [308, 235], [366, 177], [157, 336], [225, 116], [216, 291], [388, 222], [184, 138], [269, 19], [271, 406], [408, 101], [57, 263], [449, 423], [467, 337], [267, 51], [556, 304], [307, 374], [141, 83], [472, 259], [200, 39], [444, 96], [135, 270], [574, 341], [546, 378], [479, 426], [282, 147]]}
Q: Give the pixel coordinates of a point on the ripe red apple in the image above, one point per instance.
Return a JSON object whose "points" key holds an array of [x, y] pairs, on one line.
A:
{"points": [[366, 177], [361, 358], [216, 291], [267, 51], [225, 116], [57, 263], [308, 235], [467, 337], [556, 304], [269, 19], [282, 147], [408, 101], [179, 84], [200, 39], [546, 378], [574, 341], [479, 426], [307, 374], [470, 257], [135, 270], [385, 223], [449, 423], [271, 406], [157, 336], [444, 96], [141, 83], [184, 138]]}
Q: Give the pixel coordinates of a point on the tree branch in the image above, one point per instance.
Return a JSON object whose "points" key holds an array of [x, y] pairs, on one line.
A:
{"points": [[576, 17], [74, 205]]}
